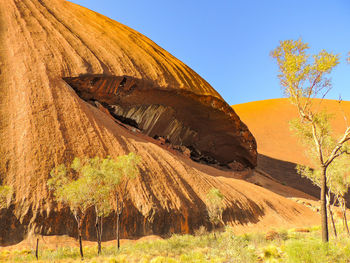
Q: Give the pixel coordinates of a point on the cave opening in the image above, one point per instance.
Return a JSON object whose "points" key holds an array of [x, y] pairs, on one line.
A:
{"points": [[203, 127]]}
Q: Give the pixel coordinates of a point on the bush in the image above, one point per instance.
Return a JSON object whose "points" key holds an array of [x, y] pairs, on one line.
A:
{"points": [[315, 251]]}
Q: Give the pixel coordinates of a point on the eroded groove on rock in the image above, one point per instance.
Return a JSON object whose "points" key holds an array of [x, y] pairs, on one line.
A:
{"points": [[207, 126], [44, 124]]}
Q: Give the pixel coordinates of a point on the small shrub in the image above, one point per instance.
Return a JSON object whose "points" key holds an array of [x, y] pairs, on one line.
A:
{"points": [[201, 231], [283, 235], [271, 235], [215, 206], [271, 252]]}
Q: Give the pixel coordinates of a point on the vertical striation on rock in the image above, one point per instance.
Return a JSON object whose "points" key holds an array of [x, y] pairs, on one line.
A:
{"points": [[51, 51], [203, 123]]}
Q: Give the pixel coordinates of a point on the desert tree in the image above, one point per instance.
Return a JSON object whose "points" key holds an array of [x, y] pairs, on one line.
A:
{"points": [[215, 206], [101, 183], [304, 132], [75, 193], [122, 171], [94, 172], [107, 179], [340, 171], [338, 182], [304, 78]]}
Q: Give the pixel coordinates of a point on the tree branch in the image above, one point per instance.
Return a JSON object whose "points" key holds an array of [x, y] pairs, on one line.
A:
{"points": [[335, 153], [317, 142]]}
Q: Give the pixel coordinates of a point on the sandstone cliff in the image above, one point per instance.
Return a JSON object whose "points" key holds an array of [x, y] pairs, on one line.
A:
{"points": [[68, 77]]}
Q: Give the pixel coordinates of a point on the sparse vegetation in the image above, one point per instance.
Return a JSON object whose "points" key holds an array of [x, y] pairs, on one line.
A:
{"points": [[107, 180], [125, 169], [6, 193], [72, 192], [215, 206], [286, 246], [302, 80], [93, 182]]}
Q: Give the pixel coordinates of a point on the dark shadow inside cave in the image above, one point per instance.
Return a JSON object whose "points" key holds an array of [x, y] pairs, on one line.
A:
{"points": [[204, 125]]}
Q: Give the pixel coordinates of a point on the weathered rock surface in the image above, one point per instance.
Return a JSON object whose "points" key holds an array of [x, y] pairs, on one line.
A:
{"points": [[203, 123], [48, 47], [268, 120], [279, 148]]}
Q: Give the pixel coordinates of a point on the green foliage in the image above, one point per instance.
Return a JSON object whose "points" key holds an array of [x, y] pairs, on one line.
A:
{"points": [[323, 133], [97, 181], [271, 252], [226, 247], [313, 250], [307, 172], [74, 193], [300, 251], [339, 179], [215, 205], [214, 196], [6, 193], [302, 76], [94, 171]]}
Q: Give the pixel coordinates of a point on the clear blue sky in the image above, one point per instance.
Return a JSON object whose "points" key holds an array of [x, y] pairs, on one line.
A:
{"points": [[228, 41]]}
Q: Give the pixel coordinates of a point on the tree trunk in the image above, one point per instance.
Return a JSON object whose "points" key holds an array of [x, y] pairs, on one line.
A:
{"points": [[98, 234], [80, 239], [118, 237], [101, 225], [37, 249], [79, 220], [331, 214], [119, 213], [81, 247], [324, 221], [345, 221]]}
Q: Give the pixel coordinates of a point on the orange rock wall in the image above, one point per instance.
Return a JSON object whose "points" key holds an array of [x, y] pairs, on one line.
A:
{"points": [[203, 123], [269, 120], [43, 123]]}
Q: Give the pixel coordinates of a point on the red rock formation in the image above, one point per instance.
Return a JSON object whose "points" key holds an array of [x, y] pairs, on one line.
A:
{"points": [[203, 123], [269, 122], [50, 46], [279, 148]]}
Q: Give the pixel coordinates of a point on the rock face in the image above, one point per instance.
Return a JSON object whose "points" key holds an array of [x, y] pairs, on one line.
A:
{"points": [[279, 148], [269, 122], [203, 123], [58, 61]]}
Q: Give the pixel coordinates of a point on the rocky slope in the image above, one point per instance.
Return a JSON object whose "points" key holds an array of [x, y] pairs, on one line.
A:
{"points": [[279, 149], [268, 120], [68, 77]]}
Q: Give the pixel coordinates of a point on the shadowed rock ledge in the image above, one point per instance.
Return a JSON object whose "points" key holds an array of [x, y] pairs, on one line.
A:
{"points": [[202, 123], [44, 123]]}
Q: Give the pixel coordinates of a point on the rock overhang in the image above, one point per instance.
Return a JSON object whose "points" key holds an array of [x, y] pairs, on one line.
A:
{"points": [[44, 123], [205, 125]]}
